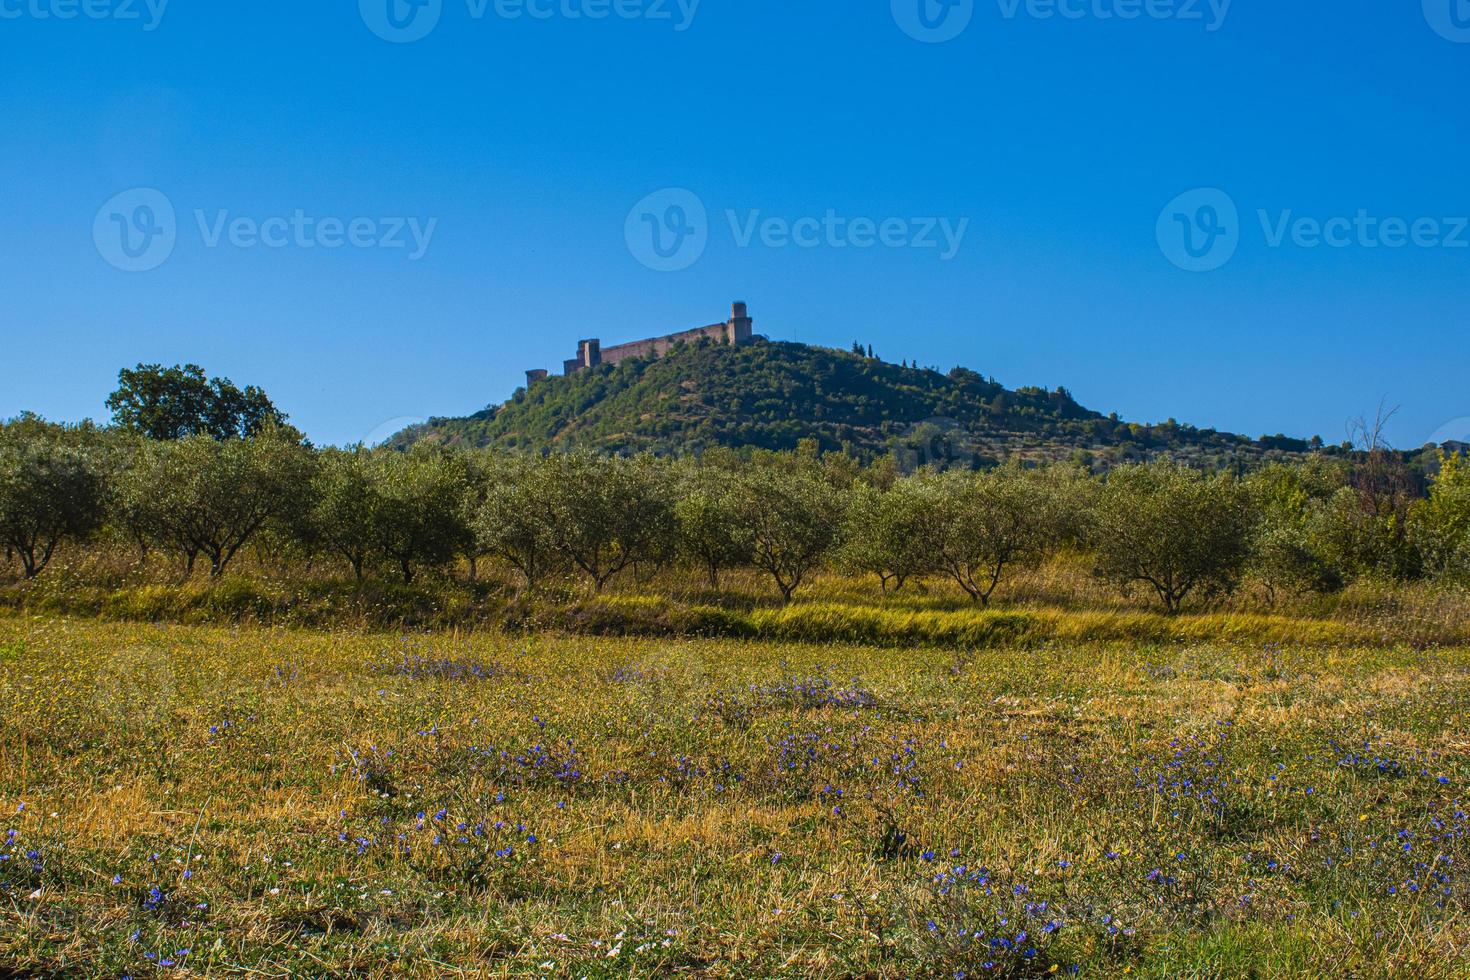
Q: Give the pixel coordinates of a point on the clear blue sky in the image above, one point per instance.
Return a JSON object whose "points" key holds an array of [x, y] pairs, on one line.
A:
{"points": [[528, 141]]}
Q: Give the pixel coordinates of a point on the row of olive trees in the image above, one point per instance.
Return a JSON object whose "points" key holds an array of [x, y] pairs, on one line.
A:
{"points": [[604, 515], [1176, 531], [1181, 534]]}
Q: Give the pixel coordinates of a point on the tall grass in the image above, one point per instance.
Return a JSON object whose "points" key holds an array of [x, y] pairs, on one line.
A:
{"points": [[1060, 602]]}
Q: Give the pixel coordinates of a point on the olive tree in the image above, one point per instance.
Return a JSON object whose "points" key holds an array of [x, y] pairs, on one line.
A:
{"points": [[140, 502], [608, 513], [883, 532], [707, 518], [207, 497], [976, 527], [1356, 539], [49, 491], [417, 513], [1172, 528], [477, 466], [344, 505], [514, 520], [794, 514]]}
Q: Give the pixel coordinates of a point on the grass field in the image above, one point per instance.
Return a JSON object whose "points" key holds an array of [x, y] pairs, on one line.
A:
{"points": [[193, 800]]}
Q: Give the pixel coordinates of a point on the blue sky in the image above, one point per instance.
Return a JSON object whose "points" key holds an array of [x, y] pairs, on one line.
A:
{"points": [[1067, 148]]}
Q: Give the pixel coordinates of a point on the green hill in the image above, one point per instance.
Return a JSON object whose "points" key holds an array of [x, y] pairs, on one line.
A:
{"points": [[773, 395]]}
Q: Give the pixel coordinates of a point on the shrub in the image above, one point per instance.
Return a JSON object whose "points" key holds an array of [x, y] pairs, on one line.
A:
{"points": [[1441, 524]]}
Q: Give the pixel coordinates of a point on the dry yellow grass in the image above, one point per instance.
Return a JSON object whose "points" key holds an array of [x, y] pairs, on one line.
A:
{"points": [[289, 803]]}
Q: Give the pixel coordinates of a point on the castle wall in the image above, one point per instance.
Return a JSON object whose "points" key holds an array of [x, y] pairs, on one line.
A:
{"points": [[738, 329], [659, 346]]}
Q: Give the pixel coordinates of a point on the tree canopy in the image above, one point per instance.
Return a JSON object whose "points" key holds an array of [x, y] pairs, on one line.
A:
{"points": [[181, 401]]}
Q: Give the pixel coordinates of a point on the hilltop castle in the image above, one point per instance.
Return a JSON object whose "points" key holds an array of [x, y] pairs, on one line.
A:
{"points": [[590, 353]]}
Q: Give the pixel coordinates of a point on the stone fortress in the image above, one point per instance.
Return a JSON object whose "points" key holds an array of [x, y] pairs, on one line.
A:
{"points": [[590, 353]]}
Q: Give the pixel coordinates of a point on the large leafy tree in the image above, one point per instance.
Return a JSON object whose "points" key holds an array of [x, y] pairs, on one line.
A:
{"points": [[50, 489], [1181, 533], [182, 401]]}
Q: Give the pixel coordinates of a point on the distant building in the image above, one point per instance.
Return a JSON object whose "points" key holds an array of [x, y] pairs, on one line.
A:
{"points": [[738, 330]]}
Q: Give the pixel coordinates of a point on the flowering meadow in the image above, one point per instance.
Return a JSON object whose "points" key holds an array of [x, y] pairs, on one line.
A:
{"points": [[184, 801]]}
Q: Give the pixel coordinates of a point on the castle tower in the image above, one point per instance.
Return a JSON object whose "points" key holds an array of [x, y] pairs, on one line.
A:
{"points": [[589, 353], [539, 374], [741, 327]]}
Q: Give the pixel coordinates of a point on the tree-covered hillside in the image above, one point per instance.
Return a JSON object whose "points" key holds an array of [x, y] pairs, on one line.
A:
{"points": [[774, 395]]}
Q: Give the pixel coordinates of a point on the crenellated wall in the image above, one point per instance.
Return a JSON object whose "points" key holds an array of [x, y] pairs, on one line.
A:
{"points": [[739, 329]]}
